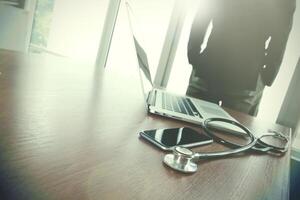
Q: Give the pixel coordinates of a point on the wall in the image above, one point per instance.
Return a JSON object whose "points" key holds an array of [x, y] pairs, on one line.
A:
{"points": [[273, 96], [76, 28], [289, 114]]}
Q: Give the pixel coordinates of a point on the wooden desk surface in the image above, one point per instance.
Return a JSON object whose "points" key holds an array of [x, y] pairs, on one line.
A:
{"points": [[68, 134]]}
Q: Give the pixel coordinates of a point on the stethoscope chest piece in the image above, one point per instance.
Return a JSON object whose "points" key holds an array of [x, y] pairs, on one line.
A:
{"points": [[181, 160]]}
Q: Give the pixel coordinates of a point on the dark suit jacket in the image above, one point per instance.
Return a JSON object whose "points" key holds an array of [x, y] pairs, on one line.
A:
{"points": [[236, 51]]}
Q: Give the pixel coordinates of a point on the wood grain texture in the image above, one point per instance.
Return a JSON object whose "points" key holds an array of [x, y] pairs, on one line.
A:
{"points": [[66, 133]]}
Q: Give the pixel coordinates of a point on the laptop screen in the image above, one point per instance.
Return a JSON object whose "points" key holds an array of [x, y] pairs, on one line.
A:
{"points": [[143, 64]]}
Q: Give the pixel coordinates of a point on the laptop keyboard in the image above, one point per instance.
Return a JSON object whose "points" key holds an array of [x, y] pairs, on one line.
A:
{"points": [[178, 104]]}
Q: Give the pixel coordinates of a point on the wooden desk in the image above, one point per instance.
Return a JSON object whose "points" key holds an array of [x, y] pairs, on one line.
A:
{"points": [[68, 134]]}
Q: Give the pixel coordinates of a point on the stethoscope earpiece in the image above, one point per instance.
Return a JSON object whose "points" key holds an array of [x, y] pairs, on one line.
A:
{"points": [[181, 160]]}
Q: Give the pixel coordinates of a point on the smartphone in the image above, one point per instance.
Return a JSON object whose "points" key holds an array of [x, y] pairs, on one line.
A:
{"points": [[167, 138]]}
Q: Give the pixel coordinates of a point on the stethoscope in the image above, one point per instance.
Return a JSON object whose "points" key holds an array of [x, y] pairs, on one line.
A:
{"points": [[185, 160]]}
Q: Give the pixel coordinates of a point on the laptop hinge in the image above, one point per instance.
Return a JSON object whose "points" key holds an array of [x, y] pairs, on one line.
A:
{"points": [[151, 98]]}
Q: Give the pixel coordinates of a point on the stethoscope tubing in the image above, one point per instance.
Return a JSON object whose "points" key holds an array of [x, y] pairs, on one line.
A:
{"points": [[238, 148], [264, 147]]}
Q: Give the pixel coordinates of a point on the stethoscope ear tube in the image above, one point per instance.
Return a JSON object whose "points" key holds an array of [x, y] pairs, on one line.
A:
{"points": [[260, 145], [273, 148]]}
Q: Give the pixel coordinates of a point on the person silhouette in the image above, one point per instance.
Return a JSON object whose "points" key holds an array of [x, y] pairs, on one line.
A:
{"points": [[236, 48]]}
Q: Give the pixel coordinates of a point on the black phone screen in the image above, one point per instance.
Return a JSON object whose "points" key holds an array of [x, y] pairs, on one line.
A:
{"points": [[167, 138]]}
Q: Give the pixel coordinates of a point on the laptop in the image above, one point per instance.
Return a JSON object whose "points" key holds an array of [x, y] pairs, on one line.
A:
{"points": [[163, 103]]}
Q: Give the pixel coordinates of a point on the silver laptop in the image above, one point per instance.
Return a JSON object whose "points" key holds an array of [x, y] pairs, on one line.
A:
{"points": [[166, 104]]}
